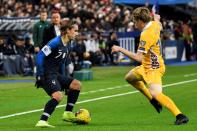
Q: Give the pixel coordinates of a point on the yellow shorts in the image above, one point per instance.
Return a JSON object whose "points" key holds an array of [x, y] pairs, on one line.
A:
{"points": [[150, 76]]}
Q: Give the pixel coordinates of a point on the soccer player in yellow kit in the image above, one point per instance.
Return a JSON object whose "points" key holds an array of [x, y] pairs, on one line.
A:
{"points": [[152, 65]]}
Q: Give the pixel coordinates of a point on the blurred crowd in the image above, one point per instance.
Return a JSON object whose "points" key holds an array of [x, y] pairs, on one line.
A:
{"points": [[95, 15], [181, 30], [98, 20]]}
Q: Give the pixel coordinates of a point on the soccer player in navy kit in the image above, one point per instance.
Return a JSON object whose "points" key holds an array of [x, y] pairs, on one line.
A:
{"points": [[50, 59]]}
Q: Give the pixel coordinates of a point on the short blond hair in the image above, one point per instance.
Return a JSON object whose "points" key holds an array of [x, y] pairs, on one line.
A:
{"points": [[141, 13]]}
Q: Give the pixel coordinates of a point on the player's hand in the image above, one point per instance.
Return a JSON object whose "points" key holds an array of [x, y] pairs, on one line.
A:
{"points": [[115, 48], [157, 17], [39, 81]]}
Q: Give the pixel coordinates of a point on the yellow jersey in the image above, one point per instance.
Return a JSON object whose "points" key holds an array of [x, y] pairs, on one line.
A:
{"points": [[150, 45]]}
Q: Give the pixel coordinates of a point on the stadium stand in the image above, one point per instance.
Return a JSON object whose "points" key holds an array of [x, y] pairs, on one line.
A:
{"points": [[100, 18]]}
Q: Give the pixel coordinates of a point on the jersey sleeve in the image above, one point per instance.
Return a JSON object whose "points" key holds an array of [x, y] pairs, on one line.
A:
{"points": [[44, 52], [145, 43], [39, 63]]}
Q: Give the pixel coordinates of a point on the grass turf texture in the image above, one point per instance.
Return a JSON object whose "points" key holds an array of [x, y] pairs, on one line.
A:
{"points": [[128, 112]]}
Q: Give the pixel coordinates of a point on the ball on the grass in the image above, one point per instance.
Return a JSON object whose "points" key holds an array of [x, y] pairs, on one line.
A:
{"points": [[83, 116]]}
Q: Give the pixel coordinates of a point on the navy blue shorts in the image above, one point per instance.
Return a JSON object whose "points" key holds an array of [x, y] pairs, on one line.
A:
{"points": [[55, 83]]}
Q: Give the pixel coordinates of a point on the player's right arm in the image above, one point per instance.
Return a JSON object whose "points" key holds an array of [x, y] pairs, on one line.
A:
{"points": [[146, 41], [44, 52], [135, 56]]}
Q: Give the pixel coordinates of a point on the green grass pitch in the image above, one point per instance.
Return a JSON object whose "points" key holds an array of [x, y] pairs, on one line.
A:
{"points": [[114, 105]]}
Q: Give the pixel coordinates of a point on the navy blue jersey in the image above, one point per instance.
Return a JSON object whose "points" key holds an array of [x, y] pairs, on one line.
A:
{"points": [[53, 56]]}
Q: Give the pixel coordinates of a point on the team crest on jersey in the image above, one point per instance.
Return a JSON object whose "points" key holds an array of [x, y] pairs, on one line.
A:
{"points": [[142, 43]]}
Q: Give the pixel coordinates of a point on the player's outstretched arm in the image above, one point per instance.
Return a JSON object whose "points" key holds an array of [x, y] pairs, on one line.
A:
{"points": [[135, 56], [157, 18]]}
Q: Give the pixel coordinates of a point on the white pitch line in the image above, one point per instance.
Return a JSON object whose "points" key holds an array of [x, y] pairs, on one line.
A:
{"points": [[188, 75], [117, 87], [101, 90], [95, 99]]}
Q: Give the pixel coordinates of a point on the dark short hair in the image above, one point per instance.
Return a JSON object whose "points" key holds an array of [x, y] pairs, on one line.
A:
{"points": [[67, 24], [141, 13]]}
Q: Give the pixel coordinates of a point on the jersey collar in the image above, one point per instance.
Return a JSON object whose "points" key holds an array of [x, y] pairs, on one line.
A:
{"points": [[147, 25], [65, 44]]}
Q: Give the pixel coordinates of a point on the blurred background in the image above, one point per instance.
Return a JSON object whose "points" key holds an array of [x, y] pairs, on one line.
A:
{"points": [[102, 24]]}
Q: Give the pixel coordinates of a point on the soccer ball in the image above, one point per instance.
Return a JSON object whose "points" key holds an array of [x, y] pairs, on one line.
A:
{"points": [[83, 116]]}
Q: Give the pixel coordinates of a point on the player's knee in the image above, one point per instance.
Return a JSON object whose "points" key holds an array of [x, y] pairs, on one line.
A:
{"points": [[153, 93], [75, 85], [57, 95], [155, 90], [129, 78]]}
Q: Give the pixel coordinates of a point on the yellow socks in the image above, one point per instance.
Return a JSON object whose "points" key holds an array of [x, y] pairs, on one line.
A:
{"points": [[142, 88], [167, 102]]}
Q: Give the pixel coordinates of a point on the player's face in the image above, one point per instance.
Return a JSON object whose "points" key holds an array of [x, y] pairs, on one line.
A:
{"points": [[138, 24], [73, 32]]}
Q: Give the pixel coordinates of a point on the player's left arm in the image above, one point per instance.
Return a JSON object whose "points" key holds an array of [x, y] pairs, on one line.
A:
{"points": [[157, 18], [135, 56]]}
